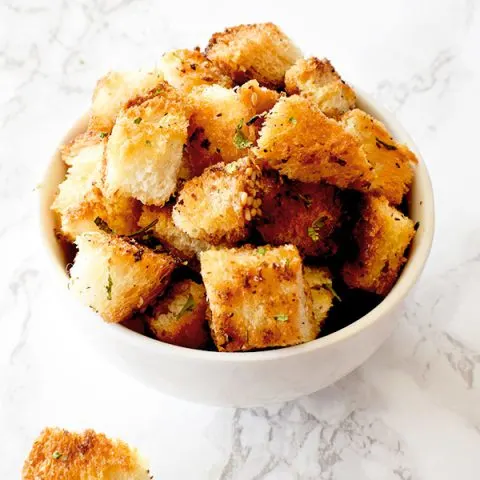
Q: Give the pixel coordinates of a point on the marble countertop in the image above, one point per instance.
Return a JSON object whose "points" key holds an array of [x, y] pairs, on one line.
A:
{"points": [[413, 410]]}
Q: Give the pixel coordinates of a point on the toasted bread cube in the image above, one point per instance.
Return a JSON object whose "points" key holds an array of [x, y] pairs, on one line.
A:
{"points": [[317, 80], [382, 234], [84, 148], [59, 454], [80, 199], [299, 141], [260, 51], [272, 310], [175, 240], [303, 214], [114, 91], [392, 162], [116, 276], [179, 316], [144, 151], [186, 69], [219, 205], [261, 98], [318, 281]]}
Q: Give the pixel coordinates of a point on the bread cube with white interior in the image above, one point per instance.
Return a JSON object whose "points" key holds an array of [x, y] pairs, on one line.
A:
{"points": [[179, 316], [218, 206], [299, 141], [114, 91], [382, 234], [144, 151], [258, 51], [177, 242], [115, 276], [393, 163], [273, 309], [186, 69], [318, 81], [62, 455]]}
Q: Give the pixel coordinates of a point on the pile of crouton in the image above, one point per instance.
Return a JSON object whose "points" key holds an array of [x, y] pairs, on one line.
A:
{"points": [[208, 197]]}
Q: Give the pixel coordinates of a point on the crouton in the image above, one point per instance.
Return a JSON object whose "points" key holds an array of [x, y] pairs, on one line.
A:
{"points": [[218, 206], [392, 163], [116, 276], [88, 145], [382, 234], [303, 214], [114, 91], [259, 51], [318, 281], [262, 99], [320, 83], [60, 455], [298, 140], [272, 309], [186, 69], [177, 242], [80, 199], [179, 316], [144, 151]]}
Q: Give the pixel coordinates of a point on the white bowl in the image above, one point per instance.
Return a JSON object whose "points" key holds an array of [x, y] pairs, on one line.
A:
{"points": [[249, 378]]}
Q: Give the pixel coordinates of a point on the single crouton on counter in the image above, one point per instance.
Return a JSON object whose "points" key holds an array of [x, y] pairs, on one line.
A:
{"points": [[116, 276], [61, 455], [257, 297], [80, 200], [393, 163], [318, 81], [299, 141], [382, 234], [177, 242], [219, 205], [114, 91], [144, 151], [179, 316], [259, 51], [303, 214], [318, 283], [186, 69]]}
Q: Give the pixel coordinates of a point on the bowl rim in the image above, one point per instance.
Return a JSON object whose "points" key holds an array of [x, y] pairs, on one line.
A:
{"points": [[410, 274]]}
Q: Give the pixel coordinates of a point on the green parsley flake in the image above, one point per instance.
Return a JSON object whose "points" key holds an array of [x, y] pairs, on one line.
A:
{"points": [[137, 120], [281, 317], [261, 250], [103, 134], [56, 455], [108, 287], [292, 120], [188, 307], [313, 231], [330, 288], [148, 142], [239, 139]]}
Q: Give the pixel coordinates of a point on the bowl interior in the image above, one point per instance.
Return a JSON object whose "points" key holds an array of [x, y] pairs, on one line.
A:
{"points": [[421, 210]]}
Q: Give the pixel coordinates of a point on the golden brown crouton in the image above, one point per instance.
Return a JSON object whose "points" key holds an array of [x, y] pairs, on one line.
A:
{"points": [[61, 455], [260, 51], [320, 83], [114, 91], [179, 316], [382, 234], [116, 276], [144, 151], [303, 214], [392, 163], [318, 281], [218, 206], [298, 140], [186, 69], [272, 309], [261, 98], [80, 199], [87, 145], [178, 243]]}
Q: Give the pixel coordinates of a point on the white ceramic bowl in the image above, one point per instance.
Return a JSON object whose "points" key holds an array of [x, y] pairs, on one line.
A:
{"points": [[249, 378]]}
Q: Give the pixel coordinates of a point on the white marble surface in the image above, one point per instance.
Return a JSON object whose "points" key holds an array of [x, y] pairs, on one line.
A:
{"points": [[413, 411]]}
